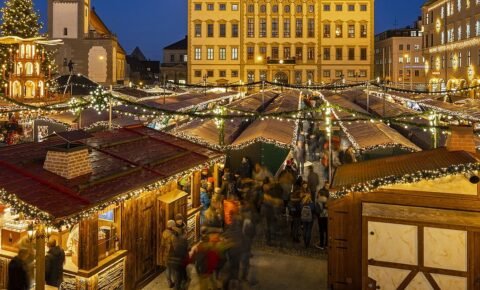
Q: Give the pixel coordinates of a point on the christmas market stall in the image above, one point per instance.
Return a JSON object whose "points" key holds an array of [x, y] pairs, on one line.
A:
{"points": [[105, 197], [370, 138], [408, 222]]}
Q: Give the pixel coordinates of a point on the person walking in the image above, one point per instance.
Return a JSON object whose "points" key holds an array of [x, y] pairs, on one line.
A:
{"points": [[206, 260], [18, 278], [313, 181], [322, 212], [178, 259], [166, 251], [307, 218], [54, 261]]}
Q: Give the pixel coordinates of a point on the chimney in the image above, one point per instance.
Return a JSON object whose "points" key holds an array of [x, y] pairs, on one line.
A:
{"points": [[461, 139], [68, 160]]}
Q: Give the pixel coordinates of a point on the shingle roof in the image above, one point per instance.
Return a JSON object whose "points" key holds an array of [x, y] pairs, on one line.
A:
{"points": [[351, 175], [122, 160]]}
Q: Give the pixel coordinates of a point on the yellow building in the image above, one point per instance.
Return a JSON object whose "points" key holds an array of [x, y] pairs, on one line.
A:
{"points": [[289, 41], [451, 43]]}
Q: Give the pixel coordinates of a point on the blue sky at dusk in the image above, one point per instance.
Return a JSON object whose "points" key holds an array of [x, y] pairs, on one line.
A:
{"points": [[153, 24]]}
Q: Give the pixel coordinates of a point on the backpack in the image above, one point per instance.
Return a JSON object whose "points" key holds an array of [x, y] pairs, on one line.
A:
{"points": [[306, 214]]}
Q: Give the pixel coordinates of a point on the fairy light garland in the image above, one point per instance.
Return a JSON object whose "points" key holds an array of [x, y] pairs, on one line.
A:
{"points": [[35, 213], [418, 176]]}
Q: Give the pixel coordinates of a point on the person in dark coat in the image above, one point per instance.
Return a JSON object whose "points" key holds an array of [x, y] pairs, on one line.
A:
{"points": [[245, 170], [18, 278], [54, 261]]}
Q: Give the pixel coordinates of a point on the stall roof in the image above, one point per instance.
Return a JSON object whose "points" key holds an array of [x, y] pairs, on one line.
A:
{"points": [[355, 174], [253, 103], [118, 168], [366, 135]]}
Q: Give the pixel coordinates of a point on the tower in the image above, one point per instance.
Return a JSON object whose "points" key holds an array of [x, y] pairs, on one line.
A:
{"points": [[88, 43]]}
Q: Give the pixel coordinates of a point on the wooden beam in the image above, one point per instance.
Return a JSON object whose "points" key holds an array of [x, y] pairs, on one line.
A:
{"points": [[88, 243], [40, 258], [421, 214], [195, 187]]}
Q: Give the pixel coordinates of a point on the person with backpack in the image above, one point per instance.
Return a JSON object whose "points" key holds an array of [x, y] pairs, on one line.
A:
{"points": [[306, 216], [322, 213], [177, 261]]}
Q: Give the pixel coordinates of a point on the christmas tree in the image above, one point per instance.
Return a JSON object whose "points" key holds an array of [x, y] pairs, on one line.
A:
{"points": [[19, 18]]}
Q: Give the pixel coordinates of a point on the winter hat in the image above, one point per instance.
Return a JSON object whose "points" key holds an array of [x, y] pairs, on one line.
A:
{"points": [[171, 224]]}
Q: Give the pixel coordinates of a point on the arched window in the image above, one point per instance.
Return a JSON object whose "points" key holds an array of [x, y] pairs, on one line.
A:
{"points": [[299, 8], [263, 8], [28, 51], [41, 89], [275, 8], [33, 51], [286, 9], [29, 68], [22, 51], [37, 68]]}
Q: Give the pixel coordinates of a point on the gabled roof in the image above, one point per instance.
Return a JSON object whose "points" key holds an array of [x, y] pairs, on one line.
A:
{"points": [[369, 175], [179, 45], [97, 23], [138, 54], [123, 160]]}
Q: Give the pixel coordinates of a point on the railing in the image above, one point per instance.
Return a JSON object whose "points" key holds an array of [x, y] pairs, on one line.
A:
{"points": [[282, 61]]}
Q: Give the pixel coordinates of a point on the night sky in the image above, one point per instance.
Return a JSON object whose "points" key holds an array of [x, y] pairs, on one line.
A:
{"points": [[157, 23]]}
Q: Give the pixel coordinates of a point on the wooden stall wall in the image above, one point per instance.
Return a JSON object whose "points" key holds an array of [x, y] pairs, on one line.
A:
{"points": [[139, 239], [344, 244], [88, 243]]}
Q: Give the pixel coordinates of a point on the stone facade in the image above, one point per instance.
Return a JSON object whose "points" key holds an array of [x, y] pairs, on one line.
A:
{"points": [[68, 163]]}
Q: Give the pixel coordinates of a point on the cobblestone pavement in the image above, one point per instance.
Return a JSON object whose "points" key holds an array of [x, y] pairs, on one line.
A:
{"points": [[283, 265]]}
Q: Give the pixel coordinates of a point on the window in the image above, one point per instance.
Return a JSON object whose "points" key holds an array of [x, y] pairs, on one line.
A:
{"points": [[363, 73], [459, 59], [210, 73], [263, 8], [250, 52], [326, 53], [326, 7], [223, 30], [172, 58], [310, 75], [351, 7], [299, 9], [350, 73], [210, 53], [286, 27], [326, 30], [222, 6], [198, 53], [311, 8], [234, 29], [351, 30], [416, 47], [338, 53], [222, 53], [251, 8], [416, 59], [234, 73], [338, 7], [251, 27], [250, 76], [299, 53], [234, 53], [222, 73], [351, 53], [210, 30], [467, 30], [363, 53], [338, 30], [263, 51], [275, 54], [65, 31], [469, 58], [400, 47], [210, 6], [286, 9], [298, 76], [263, 27], [197, 73], [363, 7], [286, 53], [311, 27], [363, 30], [408, 46], [311, 53], [417, 73], [263, 75], [400, 59], [198, 7], [275, 9], [298, 27], [198, 30], [339, 74], [234, 7], [459, 33], [274, 27], [326, 73]]}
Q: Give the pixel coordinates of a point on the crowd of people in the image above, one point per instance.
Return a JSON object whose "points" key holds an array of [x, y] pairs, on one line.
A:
{"points": [[248, 202]]}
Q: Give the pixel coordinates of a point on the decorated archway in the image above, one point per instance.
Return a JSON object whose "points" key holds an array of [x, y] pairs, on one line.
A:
{"points": [[29, 89], [281, 77]]}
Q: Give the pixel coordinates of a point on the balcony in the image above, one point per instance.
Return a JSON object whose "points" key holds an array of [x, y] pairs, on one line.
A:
{"points": [[290, 61]]}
